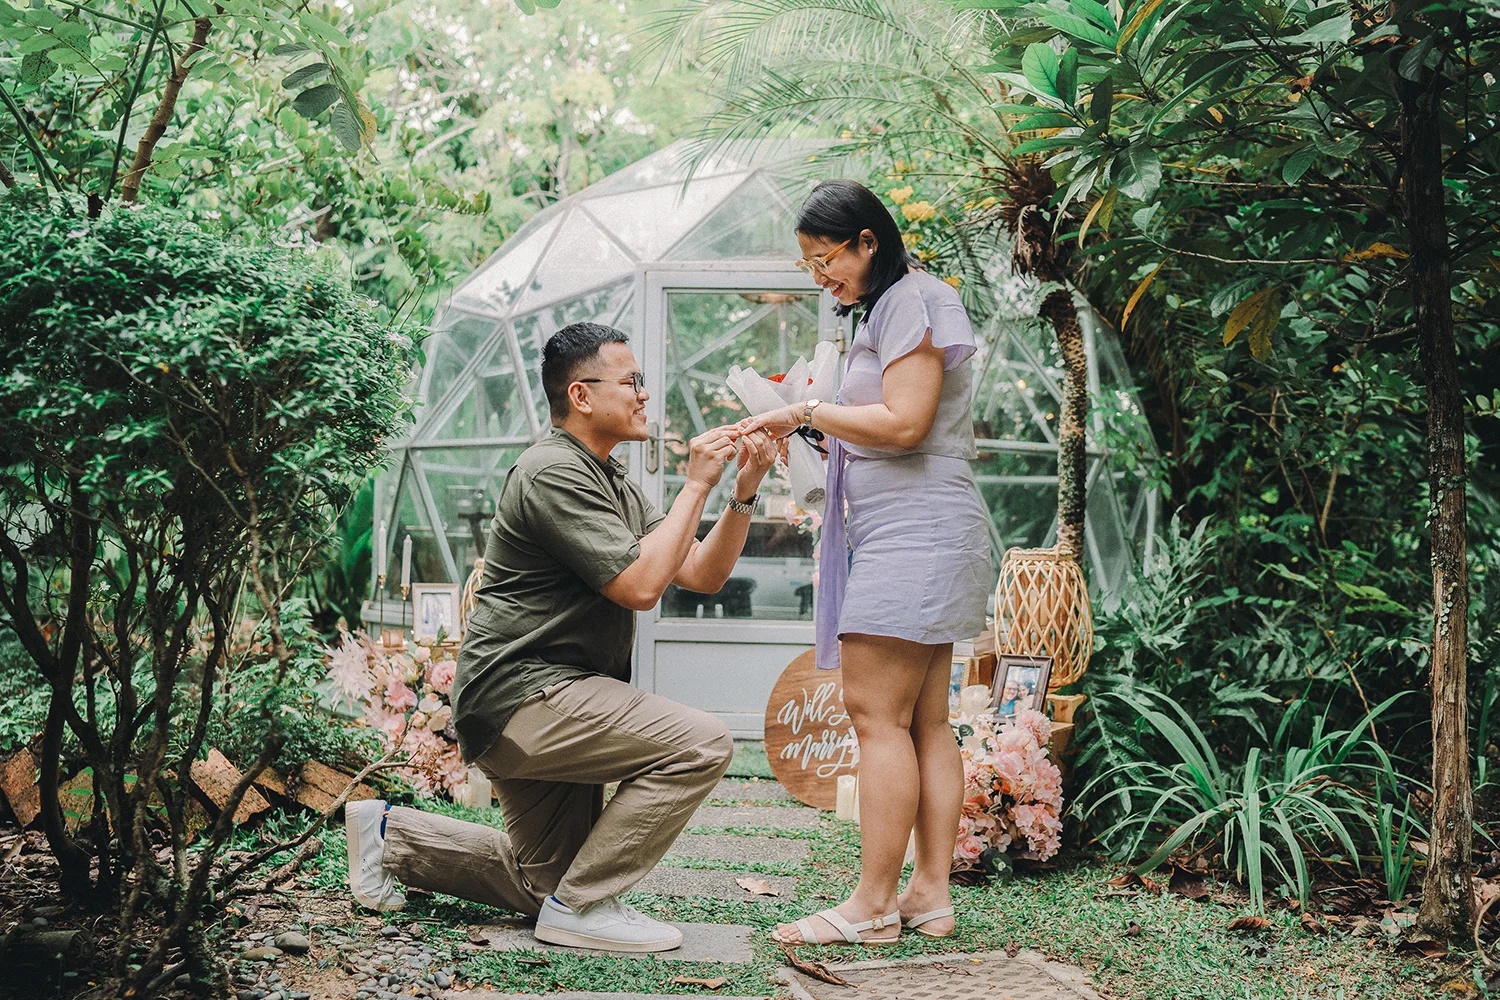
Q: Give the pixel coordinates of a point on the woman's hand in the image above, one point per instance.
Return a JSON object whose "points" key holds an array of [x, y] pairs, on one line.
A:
{"points": [[778, 422]]}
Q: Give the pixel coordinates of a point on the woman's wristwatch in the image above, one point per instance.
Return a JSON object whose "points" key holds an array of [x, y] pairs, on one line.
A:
{"points": [[807, 411]]}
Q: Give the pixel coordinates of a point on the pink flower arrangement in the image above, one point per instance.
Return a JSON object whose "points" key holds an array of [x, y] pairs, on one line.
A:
{"points": [[405, 696], [1012, 792]]}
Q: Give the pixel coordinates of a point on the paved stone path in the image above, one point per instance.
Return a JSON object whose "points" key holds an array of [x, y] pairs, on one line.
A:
{"points": [[727, 943], [991, 976]]}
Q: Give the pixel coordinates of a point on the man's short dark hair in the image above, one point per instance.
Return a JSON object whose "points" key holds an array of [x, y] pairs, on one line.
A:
{"points": [[564, 352]]}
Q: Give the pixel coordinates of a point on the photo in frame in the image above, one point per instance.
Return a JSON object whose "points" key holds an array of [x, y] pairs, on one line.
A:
{"points": [[434, 608], [1020, 683]]}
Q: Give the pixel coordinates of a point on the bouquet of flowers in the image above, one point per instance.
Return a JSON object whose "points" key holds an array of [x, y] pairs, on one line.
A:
{"points": [[801, 382], [404, 694], [1012, 792]]}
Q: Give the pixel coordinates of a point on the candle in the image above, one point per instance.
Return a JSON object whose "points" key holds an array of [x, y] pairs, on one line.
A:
{"points": [[380, 552], [406, 564], [847, 790], [973, 699]]}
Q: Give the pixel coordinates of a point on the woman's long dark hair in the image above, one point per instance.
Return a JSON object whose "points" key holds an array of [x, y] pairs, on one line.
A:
{"points": [[841, 210]]}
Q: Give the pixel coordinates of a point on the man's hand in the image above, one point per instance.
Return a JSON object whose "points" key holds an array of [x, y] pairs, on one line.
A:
{"points": [[756, 453], [707, 454]]}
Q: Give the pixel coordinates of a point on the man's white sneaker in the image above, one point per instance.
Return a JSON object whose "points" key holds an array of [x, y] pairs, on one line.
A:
{"points": [[371, 884], [609, 925]]}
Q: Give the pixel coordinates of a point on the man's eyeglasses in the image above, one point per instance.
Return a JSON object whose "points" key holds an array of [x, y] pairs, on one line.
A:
{"points": [[819, 265], [637, 381]]}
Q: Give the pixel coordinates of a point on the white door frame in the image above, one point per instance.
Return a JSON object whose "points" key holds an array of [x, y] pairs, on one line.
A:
{"points": [[651, 629]]}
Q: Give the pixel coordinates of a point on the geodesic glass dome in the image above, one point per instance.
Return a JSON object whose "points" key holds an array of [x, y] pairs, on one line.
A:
{"points": [[695, 266]]}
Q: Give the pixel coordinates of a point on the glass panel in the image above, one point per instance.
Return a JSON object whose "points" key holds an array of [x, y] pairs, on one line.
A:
{"points": [[662, 167], [580, 258], [458, 339], [411, 518], [1107, 533], [492, 407], [501, 278], [706, 333], [611, 305], [465, 485], [755, 221], [649, 221]]}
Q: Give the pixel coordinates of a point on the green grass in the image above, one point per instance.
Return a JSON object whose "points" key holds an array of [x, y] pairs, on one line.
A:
{"points": [[1182, 951], [749, 760]]}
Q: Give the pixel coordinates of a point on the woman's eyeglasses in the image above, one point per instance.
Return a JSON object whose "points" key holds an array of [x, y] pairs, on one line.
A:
{"points": [[636, 381], [819, 265]]}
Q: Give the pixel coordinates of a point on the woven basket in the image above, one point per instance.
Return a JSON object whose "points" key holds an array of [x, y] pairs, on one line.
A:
{"points": [[1042, 609], [469, 600]]}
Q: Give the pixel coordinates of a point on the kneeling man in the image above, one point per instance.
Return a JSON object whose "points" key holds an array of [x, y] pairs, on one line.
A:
{"points": [[542, 700]]}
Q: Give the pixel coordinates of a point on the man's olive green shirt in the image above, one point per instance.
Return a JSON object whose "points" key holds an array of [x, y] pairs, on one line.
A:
{"points": [[567, 523]]}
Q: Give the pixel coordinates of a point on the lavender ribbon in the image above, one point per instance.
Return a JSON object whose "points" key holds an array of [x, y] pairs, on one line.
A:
{"points": [[833, 562]]}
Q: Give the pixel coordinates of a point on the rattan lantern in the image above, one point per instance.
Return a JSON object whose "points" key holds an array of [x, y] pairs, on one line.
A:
{"points": [[1042, 609]]}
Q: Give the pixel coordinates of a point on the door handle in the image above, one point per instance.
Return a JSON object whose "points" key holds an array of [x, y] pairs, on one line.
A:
{"points": [[653, 447]]}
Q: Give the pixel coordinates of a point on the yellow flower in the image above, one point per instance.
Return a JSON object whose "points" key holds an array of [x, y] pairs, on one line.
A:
{"points": [[925, 255], [988, 202], [910, 240], [846, 134], [899, 195], [918, 211], [953, 280]]}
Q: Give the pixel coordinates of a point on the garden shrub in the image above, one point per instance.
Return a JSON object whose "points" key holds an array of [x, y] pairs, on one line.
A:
{"points": [[182, 417]]}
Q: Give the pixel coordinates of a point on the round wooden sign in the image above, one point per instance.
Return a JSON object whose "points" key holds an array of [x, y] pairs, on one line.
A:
{"points": [[809, 738]]}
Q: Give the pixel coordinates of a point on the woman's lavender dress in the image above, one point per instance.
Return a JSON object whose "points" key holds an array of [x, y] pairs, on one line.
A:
{"points": [[917, 529]]}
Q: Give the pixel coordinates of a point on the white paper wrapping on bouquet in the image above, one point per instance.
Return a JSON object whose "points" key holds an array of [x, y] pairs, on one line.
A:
{"points": [[803, 381]]}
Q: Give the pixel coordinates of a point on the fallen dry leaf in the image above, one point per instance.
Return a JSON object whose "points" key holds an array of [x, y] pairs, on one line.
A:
{"points": [[1131, 878], [1012, 949], [1249, 922], [757, 886], [475, 937], [1424, 944], [1461, 985], [1187, 883], [815, 969], [1133, 929], [711, 984], [1311, 925]]}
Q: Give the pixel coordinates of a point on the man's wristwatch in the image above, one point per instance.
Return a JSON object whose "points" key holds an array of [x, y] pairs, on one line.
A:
{"points": [[747, 507], [807, 411]]}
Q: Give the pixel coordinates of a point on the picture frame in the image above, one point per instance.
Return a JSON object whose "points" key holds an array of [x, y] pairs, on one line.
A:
{"points": [[434, 607], [1020, 683]]}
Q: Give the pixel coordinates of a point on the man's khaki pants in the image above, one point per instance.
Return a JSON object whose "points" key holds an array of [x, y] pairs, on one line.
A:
{"points": [[549, 769]]}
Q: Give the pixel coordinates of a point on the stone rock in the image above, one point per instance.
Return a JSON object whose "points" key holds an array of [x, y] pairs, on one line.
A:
{"points": [[293, 942], [262, 954]]}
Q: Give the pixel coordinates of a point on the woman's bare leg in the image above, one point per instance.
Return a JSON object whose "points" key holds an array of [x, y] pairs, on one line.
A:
{"points": [[883, 677], [941, 802]]}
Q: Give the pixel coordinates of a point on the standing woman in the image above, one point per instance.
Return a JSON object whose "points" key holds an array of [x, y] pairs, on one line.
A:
{"points": [[920, 570]]}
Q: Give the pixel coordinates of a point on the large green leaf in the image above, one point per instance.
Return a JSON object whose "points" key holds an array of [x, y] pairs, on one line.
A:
{"points": [[1040, 65], [1067, 76], [346, 126], [312, 103], [1136, 171], [300, 78]]}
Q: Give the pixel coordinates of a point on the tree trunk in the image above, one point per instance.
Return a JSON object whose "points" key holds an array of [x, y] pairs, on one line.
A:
{"points": [[1447, 893], [1059, 309], [164, 111]]}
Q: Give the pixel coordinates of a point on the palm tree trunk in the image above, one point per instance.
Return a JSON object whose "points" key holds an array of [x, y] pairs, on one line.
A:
{"points": [[1060, 310]]}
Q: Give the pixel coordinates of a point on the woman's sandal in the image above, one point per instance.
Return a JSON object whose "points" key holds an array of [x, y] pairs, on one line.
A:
{"points": [[850, 931], [915, 923]]}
